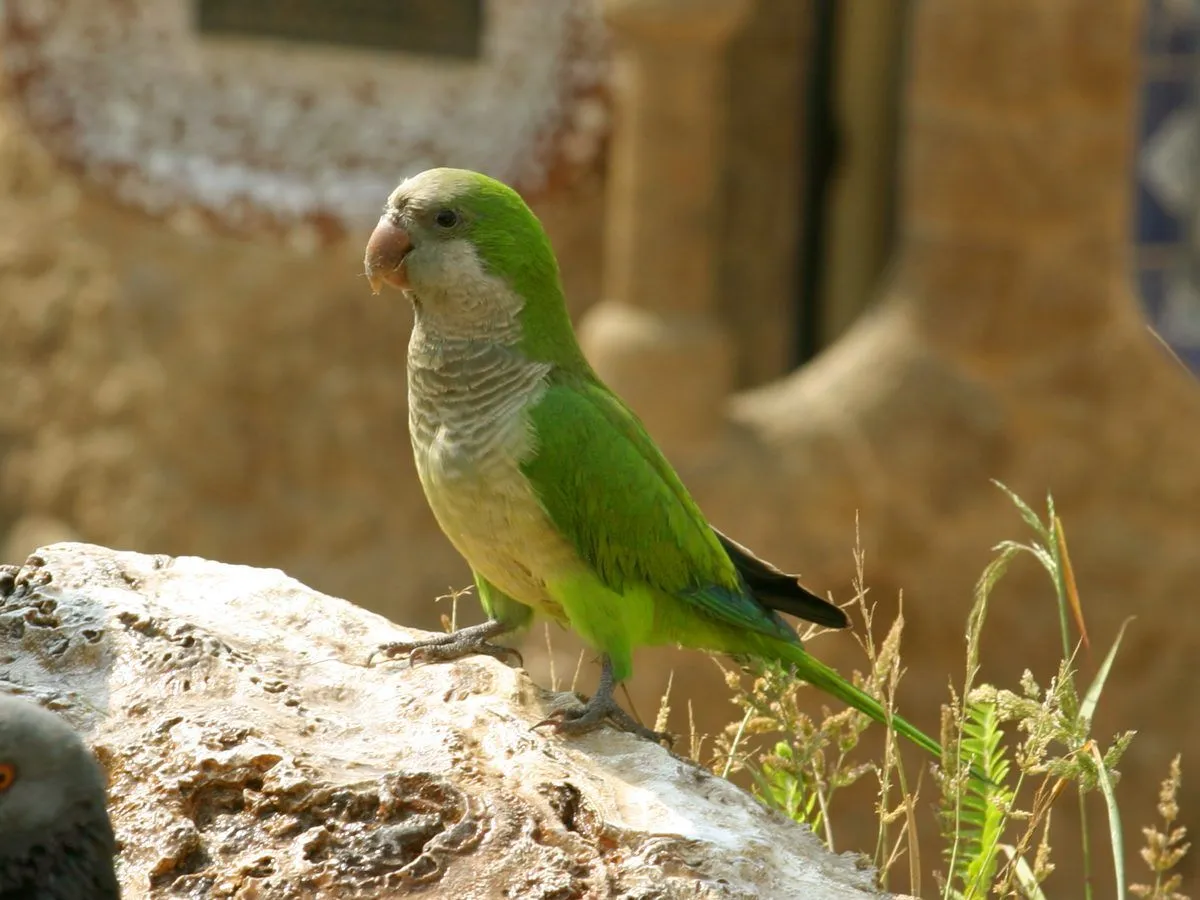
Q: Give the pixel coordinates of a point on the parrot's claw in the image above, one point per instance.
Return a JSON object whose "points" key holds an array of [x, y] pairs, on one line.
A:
{"points": [[455, 650], [595, 714], [600, 709], [446, 647]]}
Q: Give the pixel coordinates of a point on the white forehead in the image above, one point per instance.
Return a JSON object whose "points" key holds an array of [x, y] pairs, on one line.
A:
{"points": [[432, 186]]}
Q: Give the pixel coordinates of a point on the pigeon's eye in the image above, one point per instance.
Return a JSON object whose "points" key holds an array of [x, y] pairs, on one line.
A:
{"points": [[8, 774], [446, 218]]}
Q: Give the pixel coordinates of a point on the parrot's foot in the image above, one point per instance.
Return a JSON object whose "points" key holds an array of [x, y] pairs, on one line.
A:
{"points": [[596, 713], [600, 710], [469, 641]]}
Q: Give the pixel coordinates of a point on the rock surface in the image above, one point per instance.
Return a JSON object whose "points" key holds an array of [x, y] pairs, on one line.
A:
{"points": [[251, 754]]}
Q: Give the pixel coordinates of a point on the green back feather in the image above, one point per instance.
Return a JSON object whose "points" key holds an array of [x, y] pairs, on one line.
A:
{"points": [[612, 494]]}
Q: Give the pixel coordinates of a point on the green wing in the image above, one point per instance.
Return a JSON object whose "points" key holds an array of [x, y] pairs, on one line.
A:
{"points": [[609, 490]]}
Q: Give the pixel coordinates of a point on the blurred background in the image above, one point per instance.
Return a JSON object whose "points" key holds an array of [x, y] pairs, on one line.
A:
{"points": [[849, 259]]}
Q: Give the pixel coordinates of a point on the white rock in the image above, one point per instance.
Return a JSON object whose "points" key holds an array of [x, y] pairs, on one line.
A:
{"points": [[252, 754]]}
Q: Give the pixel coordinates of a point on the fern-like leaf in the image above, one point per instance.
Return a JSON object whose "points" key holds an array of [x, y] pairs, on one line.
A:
{"points": [[975, 822]]}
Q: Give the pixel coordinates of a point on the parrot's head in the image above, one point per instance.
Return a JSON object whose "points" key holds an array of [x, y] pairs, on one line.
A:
{"points": [[472, 257]]}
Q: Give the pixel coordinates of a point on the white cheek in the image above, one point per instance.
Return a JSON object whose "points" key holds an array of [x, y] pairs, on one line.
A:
{"points": [[460, 263], [418, 266], [444, 266], [458, 297]]}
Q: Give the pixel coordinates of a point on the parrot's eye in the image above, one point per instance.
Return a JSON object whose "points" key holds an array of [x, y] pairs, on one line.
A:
{"points": [[446, 218], [8, 774]]}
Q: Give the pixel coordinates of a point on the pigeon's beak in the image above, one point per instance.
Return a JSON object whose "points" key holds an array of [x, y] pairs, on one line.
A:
{"points": [[384, 260]]}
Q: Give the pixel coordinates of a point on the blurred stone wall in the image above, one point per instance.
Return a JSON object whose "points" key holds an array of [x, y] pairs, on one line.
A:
{"points": [[210, 396], [762, 196]]}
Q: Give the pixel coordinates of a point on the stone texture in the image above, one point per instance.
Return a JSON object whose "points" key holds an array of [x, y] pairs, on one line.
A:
{"points": [[252, 755]]}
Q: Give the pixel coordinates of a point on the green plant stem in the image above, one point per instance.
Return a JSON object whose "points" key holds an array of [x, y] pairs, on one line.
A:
{"points": [[1086, 842], [826, 822], [1060, 588], [737, 739]]}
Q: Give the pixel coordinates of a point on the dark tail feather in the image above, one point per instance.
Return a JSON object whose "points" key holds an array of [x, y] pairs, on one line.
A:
{"points": [[780, 591]]}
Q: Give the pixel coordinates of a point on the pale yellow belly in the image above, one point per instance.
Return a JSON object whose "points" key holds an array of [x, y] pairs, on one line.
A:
{"points": [[490, 513]]}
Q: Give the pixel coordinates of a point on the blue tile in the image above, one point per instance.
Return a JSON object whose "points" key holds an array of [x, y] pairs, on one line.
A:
{"points": [[1182, 41], [1170, 43], [1168, 28], [1152, 285], [1152, 223], [1159, 99], [1154, 32]]}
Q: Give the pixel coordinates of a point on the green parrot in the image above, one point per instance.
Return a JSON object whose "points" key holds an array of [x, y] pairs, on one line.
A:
{"points": [[544, 481]]}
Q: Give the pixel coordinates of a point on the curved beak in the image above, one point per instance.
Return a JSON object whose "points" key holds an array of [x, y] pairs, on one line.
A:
{"points": [[384, 259]]}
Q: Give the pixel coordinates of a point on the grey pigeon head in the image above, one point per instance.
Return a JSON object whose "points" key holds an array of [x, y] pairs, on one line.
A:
{"points": [[56, 841]]}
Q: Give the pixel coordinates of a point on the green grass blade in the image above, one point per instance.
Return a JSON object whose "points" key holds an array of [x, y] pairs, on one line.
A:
{"points": [[1088, 708], [983, 588], [1039, 552], [1030, 517], [1024, 874], [1114, 821]]}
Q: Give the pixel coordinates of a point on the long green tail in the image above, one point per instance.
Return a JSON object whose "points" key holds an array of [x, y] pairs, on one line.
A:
{"points": [[823, 677]]}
